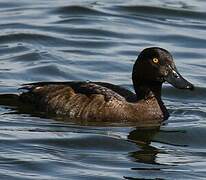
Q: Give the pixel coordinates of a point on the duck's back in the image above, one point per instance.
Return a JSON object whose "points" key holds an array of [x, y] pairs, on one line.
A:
{"points": [[79, 100]]}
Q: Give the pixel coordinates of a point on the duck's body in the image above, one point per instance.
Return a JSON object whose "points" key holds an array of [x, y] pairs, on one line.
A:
{"points": [[98, 101], [93, 101]]}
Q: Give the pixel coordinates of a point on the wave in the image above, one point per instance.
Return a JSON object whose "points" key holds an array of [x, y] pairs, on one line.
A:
{"points": [[162, 12]]}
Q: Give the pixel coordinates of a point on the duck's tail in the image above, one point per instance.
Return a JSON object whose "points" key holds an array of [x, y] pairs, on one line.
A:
{"points": [[9, 99]]}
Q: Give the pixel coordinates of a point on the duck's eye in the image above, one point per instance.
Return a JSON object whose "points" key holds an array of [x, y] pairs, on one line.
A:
{"points": [[155, 60]]}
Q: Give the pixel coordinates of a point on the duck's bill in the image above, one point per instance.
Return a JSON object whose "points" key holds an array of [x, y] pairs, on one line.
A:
{"points": [[177, 80]]}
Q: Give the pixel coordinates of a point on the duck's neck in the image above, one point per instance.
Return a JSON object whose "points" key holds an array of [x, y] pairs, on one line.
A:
{"points": [[145, 91]]}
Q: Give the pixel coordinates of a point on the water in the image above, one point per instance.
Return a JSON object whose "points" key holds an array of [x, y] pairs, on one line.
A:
{"points": [[99, 41]]}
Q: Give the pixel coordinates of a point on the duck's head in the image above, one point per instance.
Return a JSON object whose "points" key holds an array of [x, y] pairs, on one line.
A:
{"points": [[154, 66]]}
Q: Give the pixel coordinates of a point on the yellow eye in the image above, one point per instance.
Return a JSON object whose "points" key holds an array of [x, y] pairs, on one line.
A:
{"points": [[155, 60]]}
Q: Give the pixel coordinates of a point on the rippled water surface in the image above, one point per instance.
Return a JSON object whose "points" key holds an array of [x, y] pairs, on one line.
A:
{"points": [[99, 41]]}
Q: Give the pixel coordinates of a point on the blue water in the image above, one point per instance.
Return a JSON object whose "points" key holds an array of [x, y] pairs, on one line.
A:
{"points": [[99, 41]]}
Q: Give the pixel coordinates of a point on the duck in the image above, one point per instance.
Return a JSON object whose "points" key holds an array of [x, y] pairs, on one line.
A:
{"points": [[103, 101]]}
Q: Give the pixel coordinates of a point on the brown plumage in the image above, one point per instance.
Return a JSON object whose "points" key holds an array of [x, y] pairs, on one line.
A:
{"points": [[98, 101], [90, 101]]}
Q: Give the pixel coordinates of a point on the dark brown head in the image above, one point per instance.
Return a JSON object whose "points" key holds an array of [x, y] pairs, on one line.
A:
{"points": [[153, 67]]}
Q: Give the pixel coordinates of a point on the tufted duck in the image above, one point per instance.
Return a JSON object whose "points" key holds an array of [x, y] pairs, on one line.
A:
{"points": [[100, 101]]}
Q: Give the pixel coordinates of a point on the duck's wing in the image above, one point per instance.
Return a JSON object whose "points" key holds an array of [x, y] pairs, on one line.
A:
{"points": [[127, 94], [77, 100], [109, 91]]}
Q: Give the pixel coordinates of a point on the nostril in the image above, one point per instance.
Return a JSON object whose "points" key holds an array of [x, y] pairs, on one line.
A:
{"points": [[166, 73]]}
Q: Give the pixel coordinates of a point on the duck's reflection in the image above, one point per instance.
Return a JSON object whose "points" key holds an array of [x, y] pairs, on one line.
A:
{"points": [[143, 138]]}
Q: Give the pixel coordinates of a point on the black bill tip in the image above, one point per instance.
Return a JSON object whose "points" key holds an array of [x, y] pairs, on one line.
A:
{"points": [[190, 87]]}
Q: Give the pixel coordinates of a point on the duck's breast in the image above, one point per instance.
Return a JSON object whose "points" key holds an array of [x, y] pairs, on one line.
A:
{"points": [[145, 111]]}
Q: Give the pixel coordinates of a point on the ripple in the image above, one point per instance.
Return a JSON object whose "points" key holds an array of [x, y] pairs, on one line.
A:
{"points": [[162, 12], [183, 136], [198, 94], [78, 10]]}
